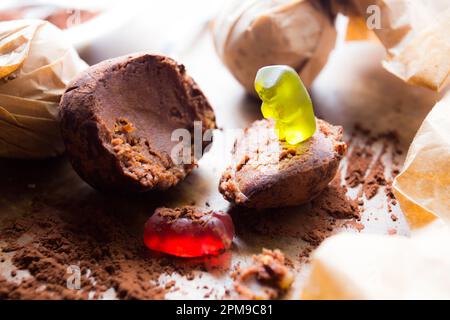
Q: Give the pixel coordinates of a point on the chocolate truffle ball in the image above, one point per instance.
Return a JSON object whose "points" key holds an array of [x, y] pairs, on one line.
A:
{"points": [[117, 120], [267, 173]]}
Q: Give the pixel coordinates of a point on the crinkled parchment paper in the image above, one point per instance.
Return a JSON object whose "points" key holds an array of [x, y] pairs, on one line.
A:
{"points": [[415, 34], [36, 64], [423, 188]]}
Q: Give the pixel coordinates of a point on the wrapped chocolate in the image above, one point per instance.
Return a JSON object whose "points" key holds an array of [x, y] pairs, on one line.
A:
{"points": [[423, 187], [36, 64], [414, 33], [254, 33], [349, 266]]}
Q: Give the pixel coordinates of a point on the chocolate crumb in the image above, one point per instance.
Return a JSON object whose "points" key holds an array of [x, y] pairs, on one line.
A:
{"points": [[190, 212], [267, 278], [392, 231], [169, 285], [190, 276], [355, 225]]}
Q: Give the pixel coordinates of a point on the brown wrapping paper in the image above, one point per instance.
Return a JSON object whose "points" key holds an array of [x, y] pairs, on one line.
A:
{"points": [[36, 64], [415, 34], [254, 33]]}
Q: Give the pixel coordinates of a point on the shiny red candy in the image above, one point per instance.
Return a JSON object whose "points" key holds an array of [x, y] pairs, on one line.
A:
{"points": [[189, 232]]}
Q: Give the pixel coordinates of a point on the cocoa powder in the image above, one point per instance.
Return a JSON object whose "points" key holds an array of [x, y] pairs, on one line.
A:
{"points": [[107, 255], [318, 219], [374, 180], [369, 171], [358, 163]]}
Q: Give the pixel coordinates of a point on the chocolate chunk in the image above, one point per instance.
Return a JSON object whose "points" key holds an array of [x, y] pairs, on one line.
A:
{"points": [[267, 173], [267, 278], [117, 119]]}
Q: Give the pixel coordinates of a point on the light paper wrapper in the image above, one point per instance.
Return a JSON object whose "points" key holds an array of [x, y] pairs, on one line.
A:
{"points": [[423, 188], [351, 266], [252, 34], [415, 34], [36, 64]]}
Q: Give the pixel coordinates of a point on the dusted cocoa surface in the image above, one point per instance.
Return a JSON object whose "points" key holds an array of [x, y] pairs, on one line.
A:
{"points": [[54, 229], [102, 235], [117, 120], [267, 173], [349, 90]]}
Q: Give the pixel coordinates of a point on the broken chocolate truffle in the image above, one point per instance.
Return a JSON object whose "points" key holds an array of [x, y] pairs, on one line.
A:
{"points": [[117, 120], [268, 173]]}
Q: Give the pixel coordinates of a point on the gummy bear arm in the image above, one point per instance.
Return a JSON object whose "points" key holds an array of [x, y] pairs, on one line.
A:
{"points": [[267, 111]]}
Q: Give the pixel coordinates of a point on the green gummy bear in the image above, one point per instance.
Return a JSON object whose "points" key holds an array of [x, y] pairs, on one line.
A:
{"points": [[286, 100]]}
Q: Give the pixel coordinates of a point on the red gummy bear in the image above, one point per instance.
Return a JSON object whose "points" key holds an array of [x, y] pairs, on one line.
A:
{"points": [[189, 232]]}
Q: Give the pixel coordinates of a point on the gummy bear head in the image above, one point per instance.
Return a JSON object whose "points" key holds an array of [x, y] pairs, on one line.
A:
{"points": [[274, 81]]}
